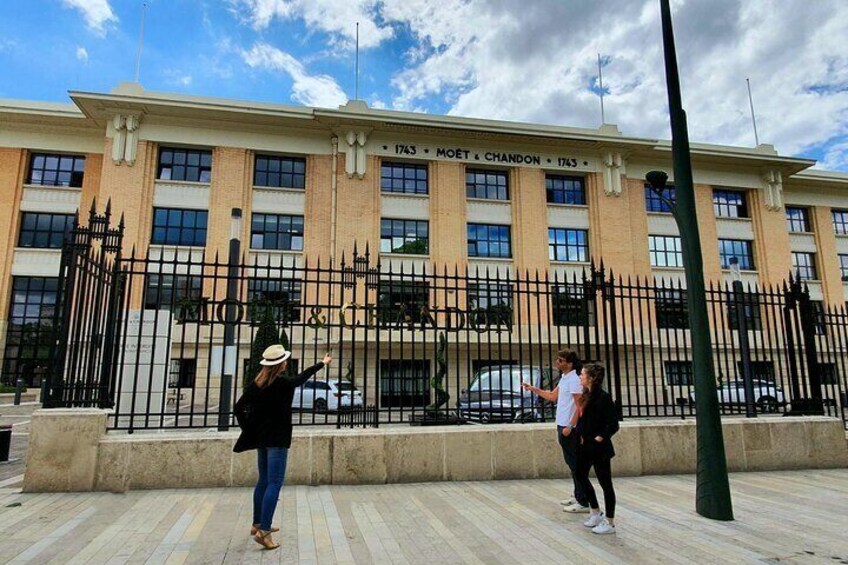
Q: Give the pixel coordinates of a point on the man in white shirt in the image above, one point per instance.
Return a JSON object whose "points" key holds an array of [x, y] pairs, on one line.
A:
{"points": [[567, 396]]}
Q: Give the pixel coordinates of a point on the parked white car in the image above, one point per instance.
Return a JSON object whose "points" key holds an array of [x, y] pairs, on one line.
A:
{"points": [[768, 396], [323, 396]]}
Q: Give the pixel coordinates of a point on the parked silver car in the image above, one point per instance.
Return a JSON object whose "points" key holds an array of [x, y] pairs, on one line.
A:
{"points": [[323, 396], [768, 396], [495, 394]]}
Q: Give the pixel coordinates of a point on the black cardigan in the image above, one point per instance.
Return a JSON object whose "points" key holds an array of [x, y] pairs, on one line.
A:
{"points": [[270, 423], [599, 418]]}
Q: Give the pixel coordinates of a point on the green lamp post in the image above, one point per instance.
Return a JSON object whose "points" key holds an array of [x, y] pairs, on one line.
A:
{"points": [[713, 488]]}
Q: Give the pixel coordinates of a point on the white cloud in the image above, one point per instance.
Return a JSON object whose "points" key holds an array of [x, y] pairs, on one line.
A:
{"points": [[97, 13], [310, 90], [330, 16], [82, 54], [537, 61]]}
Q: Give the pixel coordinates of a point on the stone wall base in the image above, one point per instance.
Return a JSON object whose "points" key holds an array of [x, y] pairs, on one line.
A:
{"points": [[71, 451]]}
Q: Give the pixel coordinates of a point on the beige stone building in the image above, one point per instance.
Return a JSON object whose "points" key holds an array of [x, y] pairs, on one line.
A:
{"points": [[417, 188]]}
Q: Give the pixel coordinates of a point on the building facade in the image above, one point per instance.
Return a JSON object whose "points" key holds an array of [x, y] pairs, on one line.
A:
{"points": [[417, 190]]}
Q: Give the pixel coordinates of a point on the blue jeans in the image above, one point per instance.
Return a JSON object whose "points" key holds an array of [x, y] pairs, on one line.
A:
{"points": [[272, 471], [569, 453]]}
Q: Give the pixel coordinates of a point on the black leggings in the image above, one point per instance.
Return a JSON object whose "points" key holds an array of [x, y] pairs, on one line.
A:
{"points": [[603, 471]]}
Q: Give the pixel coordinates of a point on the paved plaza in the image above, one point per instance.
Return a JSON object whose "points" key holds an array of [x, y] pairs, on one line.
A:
{"points": [[782, 517]]}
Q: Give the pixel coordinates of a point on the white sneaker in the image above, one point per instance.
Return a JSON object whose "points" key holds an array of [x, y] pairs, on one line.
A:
{"points": [[594, 519], [568, 501], [604, 528], [577, 508]]}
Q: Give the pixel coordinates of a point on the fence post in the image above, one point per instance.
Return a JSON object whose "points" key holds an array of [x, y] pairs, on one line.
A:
{"points": [[744, 344], [814, 404]]}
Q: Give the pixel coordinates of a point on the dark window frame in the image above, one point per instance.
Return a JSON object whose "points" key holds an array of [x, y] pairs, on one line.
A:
{"points": [[490, 304], [474, 244], [177, 293], [400, 302], [840, 221], [728, 203], [32, 236], [56, 169], [682, 375], [409, 245], [565, 189], [570, 306], [656, 251], [272, 171], [29, 332], [399, 177], [562, 247], [404, 382], [182, 373], [746, 258], [751, 306], [179, 162], [283, 295], [798, 219], [672, 309], [843, 266], [804, 265], [186, 235], [289, 227], [486, 184], [655, 204]]}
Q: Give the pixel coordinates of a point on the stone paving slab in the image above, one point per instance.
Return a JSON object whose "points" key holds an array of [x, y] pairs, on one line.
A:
{"points": [[781, 517]]}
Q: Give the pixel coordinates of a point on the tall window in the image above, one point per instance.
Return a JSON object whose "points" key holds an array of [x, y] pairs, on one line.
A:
{"points": [[276, 231], [193, 165], [404, 382], [40, 229], [404, 236], [843, 267], [798, 219], [29, 331], [282, 296], [730, 204], [804, 264], [840, 221], [406, 178], [653, 202], [739, 248], [563, 189], [672, 309], [175, 226], [181, 294], [183, 373], [817, 309], [279, 172], [488, 240], [490, 304], [402, 302], [492, 185], [571, 307], [50, 169], [568, 245], [750, 303], [665, 251], [679, 373]]}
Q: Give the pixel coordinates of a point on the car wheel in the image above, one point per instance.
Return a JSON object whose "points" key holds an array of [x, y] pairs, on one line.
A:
{"points": [[485, 417], [767, 404], [320, 405], [524, 417]]}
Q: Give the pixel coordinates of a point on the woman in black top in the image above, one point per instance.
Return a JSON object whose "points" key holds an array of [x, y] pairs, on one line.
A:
{"points": [[264, 414], [597, 424]]}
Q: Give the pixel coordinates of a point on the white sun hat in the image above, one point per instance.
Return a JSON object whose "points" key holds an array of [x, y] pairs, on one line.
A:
{"points": [[274, 355]]}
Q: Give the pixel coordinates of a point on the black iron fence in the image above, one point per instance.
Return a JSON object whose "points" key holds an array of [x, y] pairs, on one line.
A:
{"points": [[164, 339]]}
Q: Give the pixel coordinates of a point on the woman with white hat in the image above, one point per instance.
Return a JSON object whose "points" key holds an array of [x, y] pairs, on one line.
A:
{"points": [[264, 414]]}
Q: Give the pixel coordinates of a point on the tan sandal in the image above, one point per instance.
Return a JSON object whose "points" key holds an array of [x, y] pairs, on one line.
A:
{"points": [[263, 538], [255, 528]]}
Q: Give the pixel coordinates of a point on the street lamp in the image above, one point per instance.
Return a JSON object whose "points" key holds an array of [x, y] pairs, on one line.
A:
{"points": [[712, 496], [230, 354], [742, 330]]}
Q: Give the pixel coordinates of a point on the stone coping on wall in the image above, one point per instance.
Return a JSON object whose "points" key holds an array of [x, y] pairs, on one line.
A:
{"points": [[71, 451]]}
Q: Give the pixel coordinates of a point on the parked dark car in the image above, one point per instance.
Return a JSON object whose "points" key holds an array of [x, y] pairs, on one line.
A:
{"points": [[495, 395]]}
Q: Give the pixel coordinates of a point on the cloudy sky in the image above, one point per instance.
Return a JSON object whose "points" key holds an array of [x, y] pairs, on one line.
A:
{"points": [[531, 60]]}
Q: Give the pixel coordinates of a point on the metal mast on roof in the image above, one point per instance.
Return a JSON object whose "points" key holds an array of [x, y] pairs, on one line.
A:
{"points": [[753, 115], [140, 40], [356, 71], [601, 87]]}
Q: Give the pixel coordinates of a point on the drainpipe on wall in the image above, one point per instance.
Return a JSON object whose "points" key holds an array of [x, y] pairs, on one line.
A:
{"points": [[333, 222]]}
